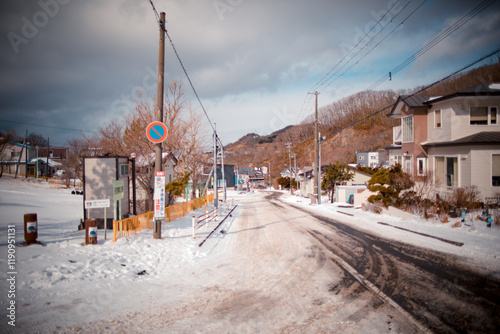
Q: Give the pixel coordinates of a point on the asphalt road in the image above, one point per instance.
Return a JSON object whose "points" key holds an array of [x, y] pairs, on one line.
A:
{"points": [[438, 290]]}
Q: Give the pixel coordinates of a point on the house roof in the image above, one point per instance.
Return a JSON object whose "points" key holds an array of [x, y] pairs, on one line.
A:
{"points": [[21, 144], [43, 161], [392, 147], [481, 138], [491, 89], [411, 101]]}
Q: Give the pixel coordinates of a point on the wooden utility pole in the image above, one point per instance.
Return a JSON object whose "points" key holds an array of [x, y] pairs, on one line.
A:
{"points": [[316, 167], [47, 167], [159, 109], [215, 185]]}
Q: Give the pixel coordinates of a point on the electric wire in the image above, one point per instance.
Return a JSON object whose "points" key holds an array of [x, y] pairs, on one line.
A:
{"points": [[466, 18], [422, 89], [48, 126], [323, 82], [377, 45], [326, 83], [325, 77], [162, 26], [333, 132]]}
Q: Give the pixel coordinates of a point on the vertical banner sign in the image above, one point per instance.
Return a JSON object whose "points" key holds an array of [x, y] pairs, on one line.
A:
{"points": [[118, 194], [159, 196]]}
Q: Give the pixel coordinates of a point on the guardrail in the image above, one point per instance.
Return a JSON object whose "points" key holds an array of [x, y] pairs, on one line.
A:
{"points": [[135, 224], [203, 219]]}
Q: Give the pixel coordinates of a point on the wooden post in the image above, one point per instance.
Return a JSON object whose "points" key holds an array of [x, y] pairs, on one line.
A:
{"points": [[194, 226], [30, 228]]}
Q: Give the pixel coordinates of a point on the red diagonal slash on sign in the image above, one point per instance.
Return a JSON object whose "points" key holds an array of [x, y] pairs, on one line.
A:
{"points": [[152, 127]]}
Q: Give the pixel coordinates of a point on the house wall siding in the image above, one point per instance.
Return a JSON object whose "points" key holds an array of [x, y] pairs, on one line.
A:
{"points": [[456, 118], [464, 166], [474, 165], [481, 161]]}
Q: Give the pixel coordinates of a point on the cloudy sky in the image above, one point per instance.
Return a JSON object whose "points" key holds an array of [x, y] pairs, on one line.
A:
{"points": [[69, 66]]}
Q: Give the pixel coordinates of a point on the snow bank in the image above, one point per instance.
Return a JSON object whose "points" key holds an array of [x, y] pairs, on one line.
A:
{"points": [[481, 245], [63, 276]]}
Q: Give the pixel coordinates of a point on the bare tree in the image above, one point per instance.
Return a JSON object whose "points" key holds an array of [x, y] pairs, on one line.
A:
{"points": [[36, 139], [5, 157]]}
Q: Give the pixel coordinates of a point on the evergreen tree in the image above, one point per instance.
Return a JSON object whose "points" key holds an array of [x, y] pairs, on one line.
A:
{"points": [[335, 174], [176, 188], [388, 184]]}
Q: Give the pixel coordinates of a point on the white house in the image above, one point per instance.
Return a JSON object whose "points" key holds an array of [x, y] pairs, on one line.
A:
{"points": [[456, 138]]}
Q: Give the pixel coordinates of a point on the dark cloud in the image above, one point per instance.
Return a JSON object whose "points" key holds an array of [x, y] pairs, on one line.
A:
{"points": [[77, 64]]}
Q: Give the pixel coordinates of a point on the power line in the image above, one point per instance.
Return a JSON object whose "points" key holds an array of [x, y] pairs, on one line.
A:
{"points": [[466, 18], [183, 68], [376, 45], [395, 28], [422, 89], [324, 81], [333, 132], [47, 126]]}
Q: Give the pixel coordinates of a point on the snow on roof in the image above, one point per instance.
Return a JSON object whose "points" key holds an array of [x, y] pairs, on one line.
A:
{"points": [[52, 163], [142, 161], [495, 86]]}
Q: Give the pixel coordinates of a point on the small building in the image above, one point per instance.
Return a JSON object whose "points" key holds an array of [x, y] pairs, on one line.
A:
{"points": [[99, 173], [251, 178], [371, 159]]}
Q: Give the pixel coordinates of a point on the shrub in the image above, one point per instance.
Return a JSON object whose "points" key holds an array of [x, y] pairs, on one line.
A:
{"points": [[465, 198], [373, 207], [388, 184]]}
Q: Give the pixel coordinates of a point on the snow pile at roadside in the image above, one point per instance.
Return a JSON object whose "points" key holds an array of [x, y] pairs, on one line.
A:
{"points": [[481, 244]]}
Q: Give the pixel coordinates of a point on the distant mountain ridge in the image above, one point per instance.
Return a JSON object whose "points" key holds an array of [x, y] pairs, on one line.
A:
{"points": [[335, 119]]}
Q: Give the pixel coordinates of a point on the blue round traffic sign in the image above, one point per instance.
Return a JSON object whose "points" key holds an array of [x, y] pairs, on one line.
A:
{"points": [[156, 132]]}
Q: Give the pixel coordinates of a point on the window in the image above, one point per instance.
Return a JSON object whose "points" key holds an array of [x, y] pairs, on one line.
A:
{"points": [[123, 170], [408, 165], [483, 115], [447, 171], [421, 166], [437, 118], [452, 172], [399, 159], [407, 129], [495, 167], [479, 116], [439, 166]]}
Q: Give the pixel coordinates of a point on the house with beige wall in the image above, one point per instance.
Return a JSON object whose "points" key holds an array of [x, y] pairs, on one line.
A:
{"points": [[455, 138]]}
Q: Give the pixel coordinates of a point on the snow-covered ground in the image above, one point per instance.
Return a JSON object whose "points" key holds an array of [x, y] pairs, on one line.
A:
{"points": [[481, 244], [63, 283]]}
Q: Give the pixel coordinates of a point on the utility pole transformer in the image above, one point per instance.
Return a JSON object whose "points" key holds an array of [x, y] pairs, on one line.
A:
{"points": [[159, 109]]}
